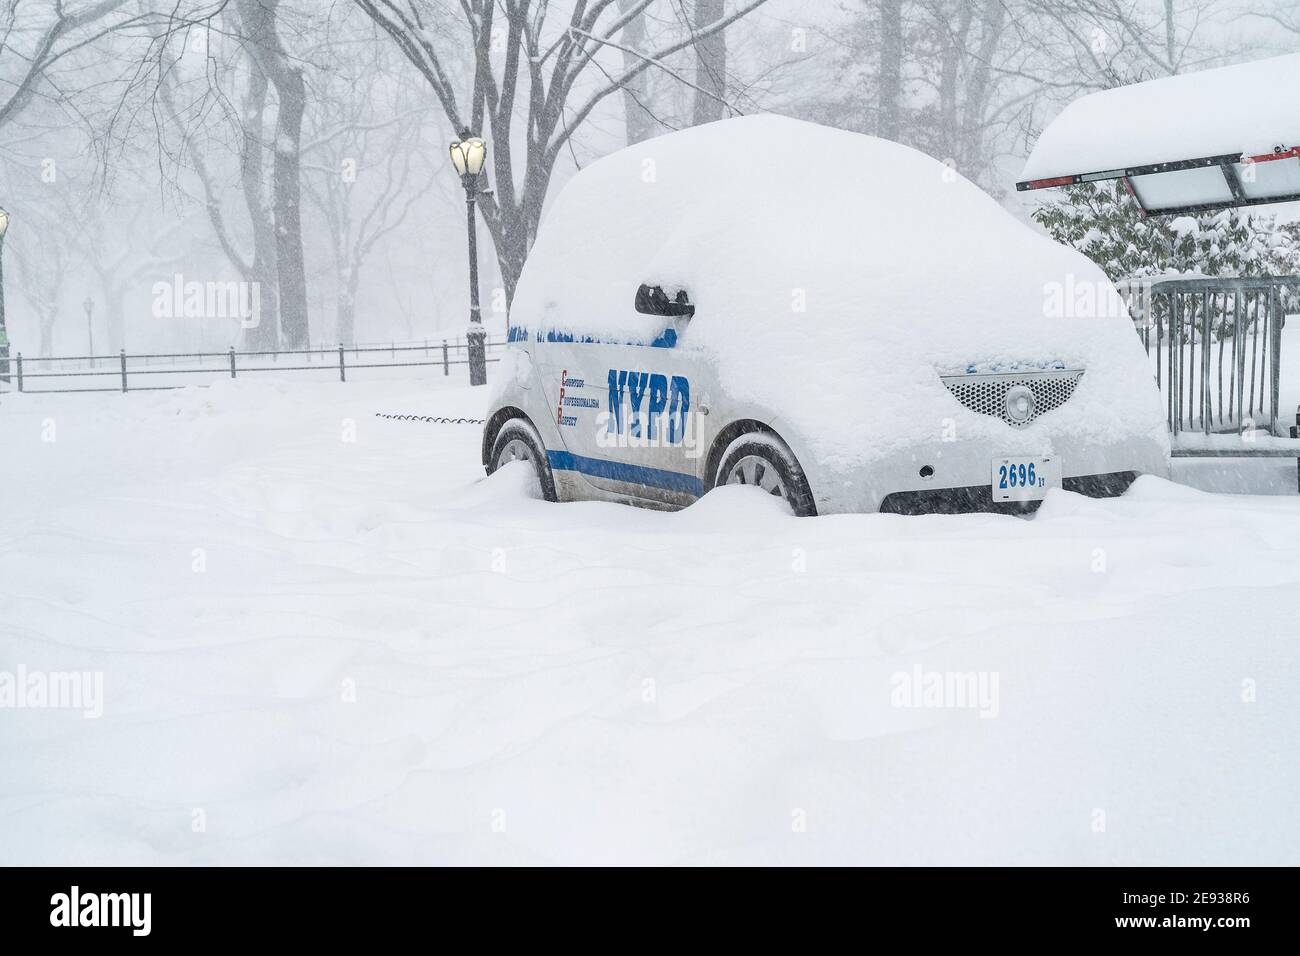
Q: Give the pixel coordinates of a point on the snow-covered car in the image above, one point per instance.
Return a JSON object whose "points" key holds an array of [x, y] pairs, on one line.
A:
{"points": [[837, 319]]}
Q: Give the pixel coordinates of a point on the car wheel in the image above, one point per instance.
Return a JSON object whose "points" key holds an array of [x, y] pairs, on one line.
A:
{"points": [[764, 461], [518, 441]]}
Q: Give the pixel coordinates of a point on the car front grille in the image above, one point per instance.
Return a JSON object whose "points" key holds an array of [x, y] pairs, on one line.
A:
{"points": [[986, 393]]}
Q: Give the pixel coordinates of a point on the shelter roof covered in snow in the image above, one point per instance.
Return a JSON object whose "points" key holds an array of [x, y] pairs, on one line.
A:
{"points": [[1198, 141]]}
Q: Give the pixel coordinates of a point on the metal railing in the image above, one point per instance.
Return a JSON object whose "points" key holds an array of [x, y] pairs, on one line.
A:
{"points": [[125, 369], [1216, 348]]}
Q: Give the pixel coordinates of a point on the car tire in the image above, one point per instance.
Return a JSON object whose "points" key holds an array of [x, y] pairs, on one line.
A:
{"points": [[518, 441], [763, 459]]}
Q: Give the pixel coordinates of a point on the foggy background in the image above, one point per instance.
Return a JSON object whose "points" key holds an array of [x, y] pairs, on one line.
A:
{"points": [[300, 146]]}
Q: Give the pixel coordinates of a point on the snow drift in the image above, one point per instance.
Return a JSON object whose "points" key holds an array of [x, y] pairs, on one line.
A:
{"points": [[389, 659]]}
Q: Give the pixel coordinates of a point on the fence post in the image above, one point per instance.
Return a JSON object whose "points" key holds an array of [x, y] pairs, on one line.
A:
{"points": [[19, 368], [1176, 370], [122, 359], [343, 375], [1207, 332], [446, 366], [1275, 346], [232, 361]]}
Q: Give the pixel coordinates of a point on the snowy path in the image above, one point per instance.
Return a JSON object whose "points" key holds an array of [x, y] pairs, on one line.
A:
{"points": [[323, 651]]}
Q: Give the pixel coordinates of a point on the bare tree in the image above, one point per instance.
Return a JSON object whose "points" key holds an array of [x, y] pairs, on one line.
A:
{"points": [[43, 259], [260, 21], [969, 81], [276, 261], [533, 62], [35, 38], [1094, 44], [1069, 48], [710, 63], [119, 266], [924, 73], [1280, 13], [889, 96], [244, 128], [363, 167], [638, 117], [974, 121]]}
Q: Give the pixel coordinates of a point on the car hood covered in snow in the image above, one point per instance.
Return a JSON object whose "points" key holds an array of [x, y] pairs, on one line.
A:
{"points": [[834, 277]]}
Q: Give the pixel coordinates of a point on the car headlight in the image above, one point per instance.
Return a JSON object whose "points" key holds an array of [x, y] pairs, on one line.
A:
{"points": [[1020, 404]]}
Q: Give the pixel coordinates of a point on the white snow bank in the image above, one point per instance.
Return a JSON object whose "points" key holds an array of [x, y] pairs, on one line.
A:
{"points": [[327, 639], [1248, 108], [833, 274]]}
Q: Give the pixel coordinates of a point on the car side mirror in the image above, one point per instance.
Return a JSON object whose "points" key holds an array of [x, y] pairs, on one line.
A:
{"points": [[653, 300]]}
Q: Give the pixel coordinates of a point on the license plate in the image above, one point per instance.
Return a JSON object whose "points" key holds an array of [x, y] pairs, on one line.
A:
{"points": [[1025, 479]]}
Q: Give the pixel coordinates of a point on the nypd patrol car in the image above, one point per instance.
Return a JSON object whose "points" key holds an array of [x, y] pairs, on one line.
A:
{"points": [[882, 337]]}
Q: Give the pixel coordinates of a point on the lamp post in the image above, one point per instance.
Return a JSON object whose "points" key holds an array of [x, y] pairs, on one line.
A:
{"points": [[467, 156], [89, 306], [4, 333]]}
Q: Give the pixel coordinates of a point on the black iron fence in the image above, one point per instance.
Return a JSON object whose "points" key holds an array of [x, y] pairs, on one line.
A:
{"points": [[1216, 348], [139, 372]]}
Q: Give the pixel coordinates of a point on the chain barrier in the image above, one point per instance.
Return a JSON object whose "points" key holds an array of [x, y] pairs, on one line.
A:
{"points": [[432, 419]]}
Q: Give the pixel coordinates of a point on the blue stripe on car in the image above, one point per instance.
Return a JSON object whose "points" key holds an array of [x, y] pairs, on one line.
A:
{"points": [[633, 474], [667, 339]]}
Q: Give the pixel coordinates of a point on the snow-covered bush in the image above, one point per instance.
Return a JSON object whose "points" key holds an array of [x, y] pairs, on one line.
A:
{"points": [[1103, 222]]}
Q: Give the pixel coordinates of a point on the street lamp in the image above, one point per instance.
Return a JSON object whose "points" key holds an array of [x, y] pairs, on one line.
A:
{"points": [[467, 156], [4, 334], [89, 306]]}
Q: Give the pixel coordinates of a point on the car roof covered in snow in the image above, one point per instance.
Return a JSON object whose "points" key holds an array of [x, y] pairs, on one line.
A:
{"points": [[767, 218], [1178, 124]]}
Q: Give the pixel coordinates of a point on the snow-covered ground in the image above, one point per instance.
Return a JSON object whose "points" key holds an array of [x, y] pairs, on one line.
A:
{"points": [[322, 650]]}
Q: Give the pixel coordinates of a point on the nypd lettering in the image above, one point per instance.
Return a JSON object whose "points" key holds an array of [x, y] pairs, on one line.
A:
{"points": [[647, 405]]}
